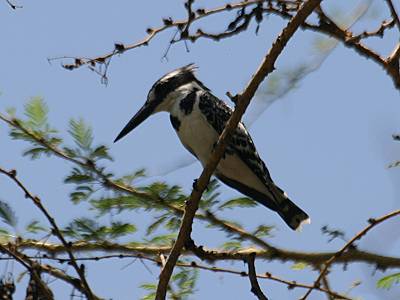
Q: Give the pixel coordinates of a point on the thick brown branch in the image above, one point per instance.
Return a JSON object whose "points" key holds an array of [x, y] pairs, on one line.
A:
{"points": [[312, 258], [243, 100]]}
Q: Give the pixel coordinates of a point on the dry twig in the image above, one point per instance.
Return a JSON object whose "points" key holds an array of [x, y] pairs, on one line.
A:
{"points": [[349, 245], [55, 231]]}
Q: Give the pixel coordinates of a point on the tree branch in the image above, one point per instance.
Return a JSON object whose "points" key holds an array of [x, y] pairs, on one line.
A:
{"points": [[55, 231], [255, 287], [349, 245], [160, 260], [312, 258], [266, 67], [31, 267], [393, 13]]}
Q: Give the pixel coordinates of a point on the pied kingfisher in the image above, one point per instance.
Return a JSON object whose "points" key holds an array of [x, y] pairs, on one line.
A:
{"points": [[198, 118]]}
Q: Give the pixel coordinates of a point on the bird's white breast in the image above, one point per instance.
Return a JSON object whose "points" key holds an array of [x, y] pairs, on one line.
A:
{"points": [[199, 137], [196, 133]]}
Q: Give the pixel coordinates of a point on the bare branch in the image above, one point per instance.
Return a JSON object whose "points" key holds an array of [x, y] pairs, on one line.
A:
{"points": [[32, 268], [378, 32], [160, 260], [349, 245], [266, 67], [56, 231], [393, 13], [326, 284], [255, 287], [327, 26]]}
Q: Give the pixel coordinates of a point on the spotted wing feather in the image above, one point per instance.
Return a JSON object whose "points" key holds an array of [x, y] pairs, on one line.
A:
{"points": [[218, 114]]}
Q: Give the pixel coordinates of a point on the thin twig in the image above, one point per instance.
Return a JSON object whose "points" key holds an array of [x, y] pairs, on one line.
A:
{"points": [[32, 268], [348, 246], [377, 32], [266, 67], [255, 287], [393, 13], [55, 230], [73, 281], [326, 284]]}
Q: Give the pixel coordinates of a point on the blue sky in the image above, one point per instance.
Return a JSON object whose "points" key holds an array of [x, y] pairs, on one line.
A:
{"points": [[327, 143]]}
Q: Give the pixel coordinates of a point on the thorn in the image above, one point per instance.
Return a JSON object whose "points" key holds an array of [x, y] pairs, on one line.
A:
{"points": [[194, 185], [119, 47]]}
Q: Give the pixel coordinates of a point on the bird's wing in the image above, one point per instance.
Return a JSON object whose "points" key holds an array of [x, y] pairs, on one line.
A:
{"points": [[218, 114]]}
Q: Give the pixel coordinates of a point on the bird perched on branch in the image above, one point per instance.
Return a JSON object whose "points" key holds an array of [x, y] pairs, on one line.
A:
{"points": [[198, 118]]}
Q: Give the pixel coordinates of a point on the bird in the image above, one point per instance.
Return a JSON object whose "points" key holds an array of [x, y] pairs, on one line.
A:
{"points": [[199, 117]]}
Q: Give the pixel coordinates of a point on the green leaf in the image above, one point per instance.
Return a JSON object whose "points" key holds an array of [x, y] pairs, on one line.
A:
{"points": [[7, 214], [185, 281], [78, 178], [232, 245], [118, 229], [210, 196], [299, 266], [82, 133], [394, 164], [173, 224], [5, 236], [70, 152], [35, 153], [148, 286], [388, 281], [4, 232], [120, 203], [150, 296], [162, 240], [101, 152], [11, 111], [84, 228], [77, 197], [263, 230], [35, 227], [238, 202], [153, 226], [88, 229], [36, 110], [129, 178]]}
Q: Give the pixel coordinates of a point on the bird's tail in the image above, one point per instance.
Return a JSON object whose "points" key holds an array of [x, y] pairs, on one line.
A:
{"points": [[293, 215]]}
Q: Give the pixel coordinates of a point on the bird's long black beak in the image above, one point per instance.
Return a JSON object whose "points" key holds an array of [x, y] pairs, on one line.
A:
{"points": [[136, 120]]}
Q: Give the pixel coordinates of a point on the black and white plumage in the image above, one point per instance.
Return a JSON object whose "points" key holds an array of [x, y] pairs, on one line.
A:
{"points": [[199, 118]]}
